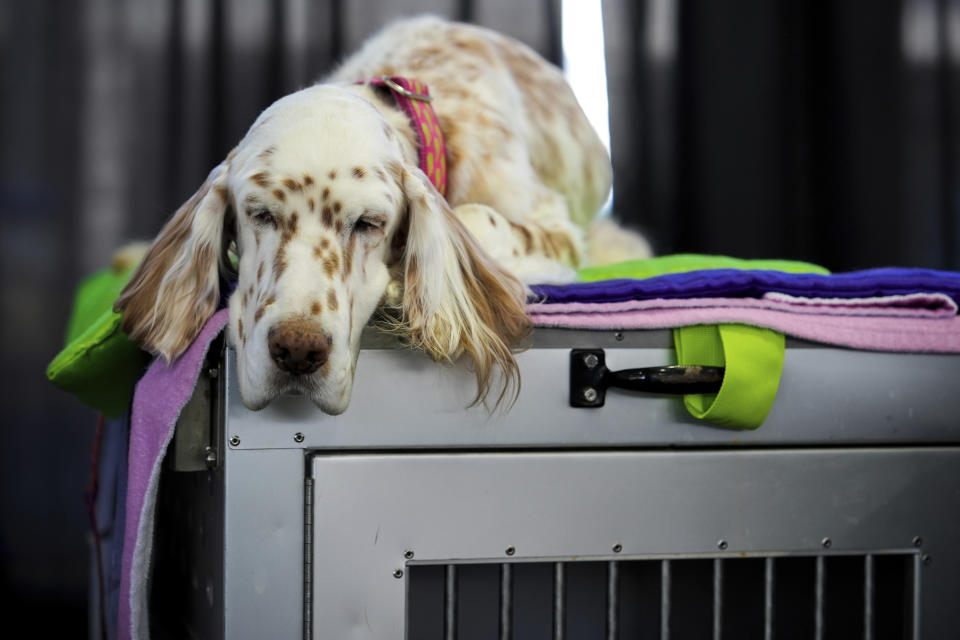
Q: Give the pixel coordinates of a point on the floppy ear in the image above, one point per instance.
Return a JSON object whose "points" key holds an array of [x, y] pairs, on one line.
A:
{"points": [[456, 298], [176, 288]]}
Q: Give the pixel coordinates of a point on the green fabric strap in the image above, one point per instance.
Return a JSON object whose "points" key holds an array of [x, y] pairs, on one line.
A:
{"points": [[753, 358]]}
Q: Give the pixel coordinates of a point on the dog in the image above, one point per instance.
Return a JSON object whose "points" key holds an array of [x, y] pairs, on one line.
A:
{"points": [[330, 218]]}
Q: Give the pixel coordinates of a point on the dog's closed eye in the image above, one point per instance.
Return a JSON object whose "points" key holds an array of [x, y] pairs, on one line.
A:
{"points": [[369, 223], [262, 216]]}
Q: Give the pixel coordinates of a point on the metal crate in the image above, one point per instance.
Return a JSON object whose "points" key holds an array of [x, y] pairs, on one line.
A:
{"points": [[410, 516]]}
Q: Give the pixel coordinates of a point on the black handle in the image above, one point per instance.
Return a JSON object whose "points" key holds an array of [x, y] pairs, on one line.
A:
{"points": [[590, 378]]}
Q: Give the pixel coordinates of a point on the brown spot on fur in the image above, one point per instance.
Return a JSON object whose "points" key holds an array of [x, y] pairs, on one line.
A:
{"points": [[311, 204], [292, 225], [263, 308], [331, 264], [279, 195], [260, 272], [327, 216], [292, 184], [324, 243], [332, 302], [240, 329], [262, 179], [339, 226], [221, 192], [493, 221], [269, 151], [358, 173], [337, 206], [525, 235], [333, 174], [307, 180], [315, 308], [326, 194], [280, 262]]}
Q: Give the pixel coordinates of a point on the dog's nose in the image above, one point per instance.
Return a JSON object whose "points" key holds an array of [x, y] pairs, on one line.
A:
{"points": [[298, 346]]}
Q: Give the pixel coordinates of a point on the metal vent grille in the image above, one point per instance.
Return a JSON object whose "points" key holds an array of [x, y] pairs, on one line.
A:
{"points": [[871, 596]]}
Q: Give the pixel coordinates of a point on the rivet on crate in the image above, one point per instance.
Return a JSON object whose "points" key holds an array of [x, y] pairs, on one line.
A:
{"points": [[408, 554], [298, 437], [398, 573], [927, 559], [917, 541], [827, 543], [589, 394], [510, 550], [722, 545], [235, 441], [617, 548], [590, 360]]}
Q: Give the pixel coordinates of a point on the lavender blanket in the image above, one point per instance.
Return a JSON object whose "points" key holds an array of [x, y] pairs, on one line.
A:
{"points": [[159, 397]]}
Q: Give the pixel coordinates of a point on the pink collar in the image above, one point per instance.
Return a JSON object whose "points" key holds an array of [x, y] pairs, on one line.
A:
{"points": [[414, 98]]}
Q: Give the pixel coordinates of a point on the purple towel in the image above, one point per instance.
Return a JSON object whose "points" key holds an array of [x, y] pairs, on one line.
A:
{"points": [[737, 283], [159, 397]]}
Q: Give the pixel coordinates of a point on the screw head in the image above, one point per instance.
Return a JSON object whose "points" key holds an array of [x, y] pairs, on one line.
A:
{"points": [[398, 573], [510, 550], [589, 394], [298, 437], [927, 559], [617, 548], [408, 554], [827, 543], [618, 336], [722, 545], [917, 541], [235, 441], [213, 372], [591, 360]]}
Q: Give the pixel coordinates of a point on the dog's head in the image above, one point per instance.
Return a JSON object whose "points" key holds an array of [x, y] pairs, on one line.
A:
{"points": [[326, 218]]}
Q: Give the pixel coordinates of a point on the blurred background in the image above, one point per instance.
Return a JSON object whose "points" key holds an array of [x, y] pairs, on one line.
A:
{"points": [[814, 130]]}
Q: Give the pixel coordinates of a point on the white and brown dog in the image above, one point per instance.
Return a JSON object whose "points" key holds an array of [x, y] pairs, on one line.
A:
{"points": [[331, 218]]}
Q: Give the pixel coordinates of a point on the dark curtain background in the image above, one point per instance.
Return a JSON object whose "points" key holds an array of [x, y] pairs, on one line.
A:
{"points": [[823, 131]]}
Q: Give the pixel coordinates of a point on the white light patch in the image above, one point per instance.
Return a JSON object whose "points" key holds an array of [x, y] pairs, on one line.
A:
{"points": [[584, 64]]}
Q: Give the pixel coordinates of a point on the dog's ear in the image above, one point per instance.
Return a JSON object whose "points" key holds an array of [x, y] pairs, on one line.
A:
{"points": [[176, 288], [456, 298]]}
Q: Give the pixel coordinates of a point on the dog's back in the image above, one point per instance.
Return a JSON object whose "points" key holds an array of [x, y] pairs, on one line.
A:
{"points": [[505, 112]]}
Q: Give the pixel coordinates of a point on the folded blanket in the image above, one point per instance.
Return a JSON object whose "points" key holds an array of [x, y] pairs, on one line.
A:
{"points": [[159, 397], [736, 283], [916, 305], [876, 332]]}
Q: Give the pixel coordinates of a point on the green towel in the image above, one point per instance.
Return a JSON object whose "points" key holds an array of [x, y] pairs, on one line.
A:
{"points": [[680, 262], [752, 356], [99, 365]]}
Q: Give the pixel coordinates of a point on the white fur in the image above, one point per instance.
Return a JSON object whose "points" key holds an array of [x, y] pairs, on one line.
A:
{"points": [[526, 176]]}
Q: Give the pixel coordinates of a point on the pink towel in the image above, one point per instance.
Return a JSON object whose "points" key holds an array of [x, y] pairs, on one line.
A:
{"points": [[160, 396], [914, 305], [934, 329]]}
